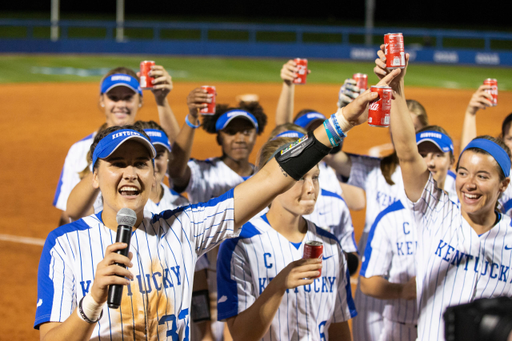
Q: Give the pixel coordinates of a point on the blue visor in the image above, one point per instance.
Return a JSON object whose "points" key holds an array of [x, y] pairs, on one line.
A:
{"points": [[228, 116], [442, 141], [158, 137], [120, 79], [112, 141], [289, 133], [495, 150], [306, 119]]}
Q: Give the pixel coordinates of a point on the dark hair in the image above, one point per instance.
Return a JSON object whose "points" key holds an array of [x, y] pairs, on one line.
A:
{"points": [[302, 113], [505, 125], [148, 125], [499, 142], [440, 130], [416, 108], [122, 70], [101, 134], [285, 127], [87, 168], [388, 166], [254, 108]]}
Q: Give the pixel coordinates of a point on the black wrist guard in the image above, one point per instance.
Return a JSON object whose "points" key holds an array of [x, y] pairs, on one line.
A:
{"points": [[299, 157], [352, 263], [200, 306]]}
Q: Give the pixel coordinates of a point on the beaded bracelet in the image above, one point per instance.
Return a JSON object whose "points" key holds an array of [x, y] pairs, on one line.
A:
{"points": [[333, 138], [336, 126], [190, 123]]}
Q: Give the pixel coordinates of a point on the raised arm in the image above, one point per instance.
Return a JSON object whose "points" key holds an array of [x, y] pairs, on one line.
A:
{"points": [[414, 170], [81, 199], [480, 100], [256, 193], [182, 147], [162, 86], [284, 111]]}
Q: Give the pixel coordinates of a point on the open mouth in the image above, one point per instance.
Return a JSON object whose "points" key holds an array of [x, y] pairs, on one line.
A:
{"points": [[471, 197], [129, 191]]}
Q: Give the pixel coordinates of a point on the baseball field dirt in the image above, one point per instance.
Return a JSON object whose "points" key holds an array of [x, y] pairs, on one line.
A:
{"points": [[41, 121]]}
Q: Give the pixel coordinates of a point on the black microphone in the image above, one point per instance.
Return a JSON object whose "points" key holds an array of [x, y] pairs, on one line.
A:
{"points": [[126, 218]]}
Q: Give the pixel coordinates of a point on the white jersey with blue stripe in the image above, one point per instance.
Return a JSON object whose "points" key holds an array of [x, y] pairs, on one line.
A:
{"points": [[76, 161], [455, 265], [156, 304], [390, 253], [328, 178], [247, 264], [209, 179], [505, 201], [332, 214]]}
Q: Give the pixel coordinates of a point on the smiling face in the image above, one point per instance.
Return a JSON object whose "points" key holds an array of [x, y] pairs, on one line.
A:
{"points": [[301, 198], [125, 179], [438, 162], [478, 184], [237, 139], [120, 106]]}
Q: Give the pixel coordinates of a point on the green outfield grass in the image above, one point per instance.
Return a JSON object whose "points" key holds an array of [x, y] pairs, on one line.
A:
{"points": [[85, 68]]}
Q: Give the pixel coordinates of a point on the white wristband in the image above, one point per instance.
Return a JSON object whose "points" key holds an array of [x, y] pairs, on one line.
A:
{"points": [[89, 310], [344, 124]]}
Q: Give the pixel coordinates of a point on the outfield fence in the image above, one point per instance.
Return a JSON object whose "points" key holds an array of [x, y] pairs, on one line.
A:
{"points": [[251, 40]]}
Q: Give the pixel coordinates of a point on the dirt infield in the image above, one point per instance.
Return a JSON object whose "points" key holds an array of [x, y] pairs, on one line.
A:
{"points": [[40, 122]]}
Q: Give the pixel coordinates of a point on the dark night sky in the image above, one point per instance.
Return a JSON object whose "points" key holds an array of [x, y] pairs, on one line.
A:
{"points": [[454, 14]]}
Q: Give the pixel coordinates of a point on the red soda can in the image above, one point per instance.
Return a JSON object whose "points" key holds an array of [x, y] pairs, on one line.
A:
{"points": [[493, 91], [394, 51], [378, 114], [302, 71], [313, 249], [146, 81], [361, 81], [210, 109]]}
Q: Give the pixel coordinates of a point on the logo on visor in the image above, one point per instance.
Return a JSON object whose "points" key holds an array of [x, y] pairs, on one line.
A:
{"points": [[120, 78], [429, 134], [124, 133], [154, 133]]}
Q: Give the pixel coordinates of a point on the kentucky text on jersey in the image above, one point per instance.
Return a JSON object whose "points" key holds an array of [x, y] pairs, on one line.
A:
{"points": [[455, 257], [168, 278], [321, 284]]}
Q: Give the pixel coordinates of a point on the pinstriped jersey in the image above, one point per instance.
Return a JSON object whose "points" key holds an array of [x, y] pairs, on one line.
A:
{"points": [[505, 201], [332, 214], [328, 178], [76, 161], [390, 253], [454, 264], [247, 264], [209, 179], [155, 305]]}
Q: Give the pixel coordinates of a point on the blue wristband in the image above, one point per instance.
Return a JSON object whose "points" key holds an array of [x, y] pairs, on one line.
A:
{"points": [[330, 135], [190, 123], [336, 125]]}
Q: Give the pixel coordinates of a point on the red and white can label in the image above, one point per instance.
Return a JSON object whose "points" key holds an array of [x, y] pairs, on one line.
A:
{"points": [[361, 81], [313, 249], [210, 109], [493, 91], [378, 113], [302, 71], [394, 51], [146, 81]]}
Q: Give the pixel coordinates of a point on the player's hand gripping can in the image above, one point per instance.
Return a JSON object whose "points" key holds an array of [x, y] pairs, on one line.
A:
{"points": [[210, 109], [302, 71], [146, 81], [493, 91], [378, 114], [313, 249], [394, 51], [361, 81]]}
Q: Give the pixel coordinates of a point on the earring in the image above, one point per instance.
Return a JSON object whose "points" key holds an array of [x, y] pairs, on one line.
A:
{"points": [[140, 105], [102, 105]]}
